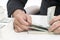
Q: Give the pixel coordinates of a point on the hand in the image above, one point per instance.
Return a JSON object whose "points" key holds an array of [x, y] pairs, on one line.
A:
{"points": [[21, 21], [55, 25]]}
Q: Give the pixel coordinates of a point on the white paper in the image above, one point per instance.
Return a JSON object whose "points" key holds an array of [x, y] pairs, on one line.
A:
{"points": [[1, 26], [5, 20], [2, 15]]}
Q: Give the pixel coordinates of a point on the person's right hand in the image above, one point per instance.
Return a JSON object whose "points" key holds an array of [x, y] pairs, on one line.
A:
{"points": [[21, 21]]}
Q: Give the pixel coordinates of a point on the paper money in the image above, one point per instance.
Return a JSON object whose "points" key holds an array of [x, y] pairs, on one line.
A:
{"points": [[50, 12], [50, 15], [38, 28]]}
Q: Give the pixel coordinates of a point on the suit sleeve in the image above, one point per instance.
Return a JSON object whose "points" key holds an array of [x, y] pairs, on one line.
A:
{"points": [[13, 5]]}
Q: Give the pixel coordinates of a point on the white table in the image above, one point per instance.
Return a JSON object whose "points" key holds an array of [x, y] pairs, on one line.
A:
{"points": [[7, 32]]}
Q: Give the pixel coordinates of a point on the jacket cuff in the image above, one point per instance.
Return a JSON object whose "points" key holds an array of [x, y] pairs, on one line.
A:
{"points": [[14, 11]]}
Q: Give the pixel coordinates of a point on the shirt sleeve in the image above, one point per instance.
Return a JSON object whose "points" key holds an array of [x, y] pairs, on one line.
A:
{"points": [[13, 5]]}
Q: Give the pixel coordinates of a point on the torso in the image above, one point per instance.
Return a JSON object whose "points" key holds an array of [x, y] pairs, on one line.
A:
{"points": [[46, 4]]}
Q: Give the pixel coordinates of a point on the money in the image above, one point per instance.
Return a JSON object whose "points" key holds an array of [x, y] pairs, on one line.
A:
{"points": [[50, 13], [38, 28]]}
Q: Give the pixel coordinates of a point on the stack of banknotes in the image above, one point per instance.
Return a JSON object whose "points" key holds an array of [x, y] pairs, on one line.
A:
{"points": [[50, 15]]}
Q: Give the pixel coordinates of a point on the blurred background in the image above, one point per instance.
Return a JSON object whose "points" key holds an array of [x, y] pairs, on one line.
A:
{"points": [[29, 3]]}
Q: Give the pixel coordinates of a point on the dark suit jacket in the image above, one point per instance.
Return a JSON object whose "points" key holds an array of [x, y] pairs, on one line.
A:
{"points": [[13, 5]]}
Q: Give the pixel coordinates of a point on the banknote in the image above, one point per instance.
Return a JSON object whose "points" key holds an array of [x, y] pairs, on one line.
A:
{"points": [[50, 12], [50, 15]]}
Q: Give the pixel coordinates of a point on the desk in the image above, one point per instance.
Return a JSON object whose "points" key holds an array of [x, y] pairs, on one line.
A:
{"points": [[7, 32]]}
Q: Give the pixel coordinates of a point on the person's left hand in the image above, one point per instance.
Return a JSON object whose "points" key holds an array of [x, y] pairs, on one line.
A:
{"points": [[55, 25]]}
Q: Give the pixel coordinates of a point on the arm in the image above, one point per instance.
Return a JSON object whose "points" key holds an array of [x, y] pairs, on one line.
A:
{"points": [[21, 20], [13, 5]]}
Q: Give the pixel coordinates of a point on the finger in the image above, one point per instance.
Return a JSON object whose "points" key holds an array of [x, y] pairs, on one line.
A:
{"points": [[17, 28], [29, 19], [23, 22], [24, 27], [54, 26], [17, 22], [21, 19], [57, 31], [54, 19]]}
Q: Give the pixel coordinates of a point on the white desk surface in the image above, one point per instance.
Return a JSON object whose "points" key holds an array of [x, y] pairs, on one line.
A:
{"points": [[7, 32]]}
